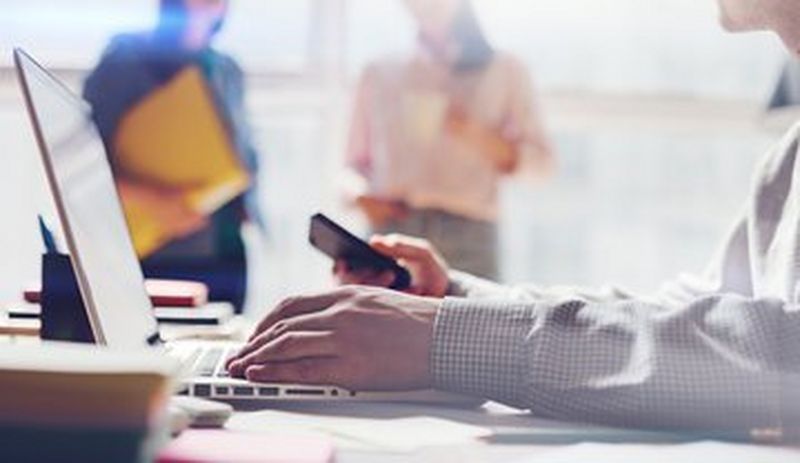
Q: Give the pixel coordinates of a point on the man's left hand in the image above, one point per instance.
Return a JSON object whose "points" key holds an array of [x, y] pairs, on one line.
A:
{"points": [[356, 337]]}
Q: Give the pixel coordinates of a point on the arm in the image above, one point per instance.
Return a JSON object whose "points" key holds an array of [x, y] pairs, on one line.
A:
{"points": [[432, 277], [359, 150], [359, 159], [717, 362], [234, 95], [694, 357], [502, 149], [525, 124], [119, 82]]}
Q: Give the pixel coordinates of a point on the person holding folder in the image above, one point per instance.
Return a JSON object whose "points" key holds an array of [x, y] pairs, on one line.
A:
{"points": [[170, 109]]}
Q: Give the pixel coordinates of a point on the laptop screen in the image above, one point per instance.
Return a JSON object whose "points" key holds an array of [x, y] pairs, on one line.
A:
{"points": [[91, 214]]}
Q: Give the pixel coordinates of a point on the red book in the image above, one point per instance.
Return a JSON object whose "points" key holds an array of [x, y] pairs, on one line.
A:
{"points": [[163, 293], [172, 293]]}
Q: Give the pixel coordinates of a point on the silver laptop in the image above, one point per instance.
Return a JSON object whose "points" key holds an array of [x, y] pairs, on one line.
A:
{"points": [[104, 260]]}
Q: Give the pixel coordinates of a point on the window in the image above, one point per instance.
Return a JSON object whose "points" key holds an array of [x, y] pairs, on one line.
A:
{"points": [[266, 35], [670, 47]]}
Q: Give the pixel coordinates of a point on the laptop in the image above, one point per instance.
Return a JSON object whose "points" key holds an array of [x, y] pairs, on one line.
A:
{"points": [[105, 263]]}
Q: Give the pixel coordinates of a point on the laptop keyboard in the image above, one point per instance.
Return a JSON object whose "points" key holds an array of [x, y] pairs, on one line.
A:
{"points": [[210, 362]]}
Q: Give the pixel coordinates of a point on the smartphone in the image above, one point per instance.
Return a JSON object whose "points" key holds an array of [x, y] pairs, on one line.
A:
{"points": [[339, 244]]}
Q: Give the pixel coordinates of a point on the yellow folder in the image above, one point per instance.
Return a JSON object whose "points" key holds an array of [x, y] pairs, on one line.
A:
{"points": [[176, 138]]}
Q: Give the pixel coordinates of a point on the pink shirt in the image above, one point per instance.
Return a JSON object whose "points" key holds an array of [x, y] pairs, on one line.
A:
{"points": [[399, 143]]}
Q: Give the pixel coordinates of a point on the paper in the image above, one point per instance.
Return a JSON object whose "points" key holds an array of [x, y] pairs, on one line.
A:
{"points": [[402, 435], [227, 447], [424, 114], [706, 452]]}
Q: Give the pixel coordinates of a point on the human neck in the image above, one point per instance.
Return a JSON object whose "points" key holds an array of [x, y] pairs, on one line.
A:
{"points": [[439, 48], [196, 37]]}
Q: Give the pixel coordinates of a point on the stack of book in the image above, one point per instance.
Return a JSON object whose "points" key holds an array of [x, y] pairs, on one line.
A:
{"points": [[63, 402]]}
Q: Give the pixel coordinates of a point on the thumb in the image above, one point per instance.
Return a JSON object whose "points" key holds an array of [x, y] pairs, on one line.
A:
{"points": [[400, 247]]}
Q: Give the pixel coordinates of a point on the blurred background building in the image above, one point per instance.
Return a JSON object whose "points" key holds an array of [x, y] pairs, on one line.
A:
{"points": [[657, 116]]}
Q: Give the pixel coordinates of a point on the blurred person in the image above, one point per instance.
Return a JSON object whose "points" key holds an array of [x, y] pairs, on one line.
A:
{"points": [[209, 249], [787, 90], [704, 354], [433, 133]]}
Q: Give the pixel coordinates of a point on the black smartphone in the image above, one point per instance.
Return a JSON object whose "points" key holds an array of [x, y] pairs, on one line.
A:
{"points": [[339, 244]]}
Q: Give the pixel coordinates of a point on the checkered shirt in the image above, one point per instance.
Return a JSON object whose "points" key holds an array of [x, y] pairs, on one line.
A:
{"points": [[719, 351]]}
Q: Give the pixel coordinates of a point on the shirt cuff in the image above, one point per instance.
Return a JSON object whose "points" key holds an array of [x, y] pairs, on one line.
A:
{"points": [[478, 348]]}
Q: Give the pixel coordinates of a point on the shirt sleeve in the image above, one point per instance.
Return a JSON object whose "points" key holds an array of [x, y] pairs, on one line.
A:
{"points": [[467, 286], [718, 362]]}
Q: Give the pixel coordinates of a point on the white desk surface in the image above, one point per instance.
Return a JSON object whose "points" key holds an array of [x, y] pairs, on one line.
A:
{"points": [[490, 415], [500, 419]]}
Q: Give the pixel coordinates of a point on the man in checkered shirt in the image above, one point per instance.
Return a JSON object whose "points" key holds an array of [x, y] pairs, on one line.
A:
{"points": [[719, 351]]}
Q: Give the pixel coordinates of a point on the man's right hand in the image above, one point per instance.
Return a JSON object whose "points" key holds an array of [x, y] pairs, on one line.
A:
{"points": [[429, 271]]}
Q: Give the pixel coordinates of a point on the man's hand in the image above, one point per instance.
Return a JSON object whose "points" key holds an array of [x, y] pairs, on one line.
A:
{"points": [[357, 338], [429, 271]]}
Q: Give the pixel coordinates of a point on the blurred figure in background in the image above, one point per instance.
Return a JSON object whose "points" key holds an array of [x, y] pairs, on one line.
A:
{"points": [[208, 248], [433, 133], [787, 91]]}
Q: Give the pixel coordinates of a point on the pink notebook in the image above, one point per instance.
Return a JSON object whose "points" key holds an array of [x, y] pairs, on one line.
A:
{"points": [[201, 446]]}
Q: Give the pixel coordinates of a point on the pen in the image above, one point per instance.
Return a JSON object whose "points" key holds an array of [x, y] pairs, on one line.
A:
{"points": [[47, 237]]}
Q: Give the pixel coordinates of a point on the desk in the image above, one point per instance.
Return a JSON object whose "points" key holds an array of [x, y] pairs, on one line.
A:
{"points": [[494, 416], [490, 416], [316, 418]]}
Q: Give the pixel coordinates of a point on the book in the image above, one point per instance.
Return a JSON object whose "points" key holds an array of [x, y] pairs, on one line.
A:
{"points": [[59, 384], [68, 402], [163, 293], [171, 293], [176, 138]]}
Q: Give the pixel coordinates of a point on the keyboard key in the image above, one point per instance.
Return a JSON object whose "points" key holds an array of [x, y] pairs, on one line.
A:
{"points": [[208, 363]]}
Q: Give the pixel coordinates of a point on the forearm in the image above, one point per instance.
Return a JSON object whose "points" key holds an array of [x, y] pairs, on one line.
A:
{"points": [[717, 362]]}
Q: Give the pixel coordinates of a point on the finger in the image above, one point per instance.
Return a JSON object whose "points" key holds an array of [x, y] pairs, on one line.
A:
{"points": [[415, 291], [370, 278], [347, 276], [381, 280], [340, 266], [316, 371], [307, 322], [295, 306], [289, 347], [356, 277], [401, 247], [341, 272]]}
